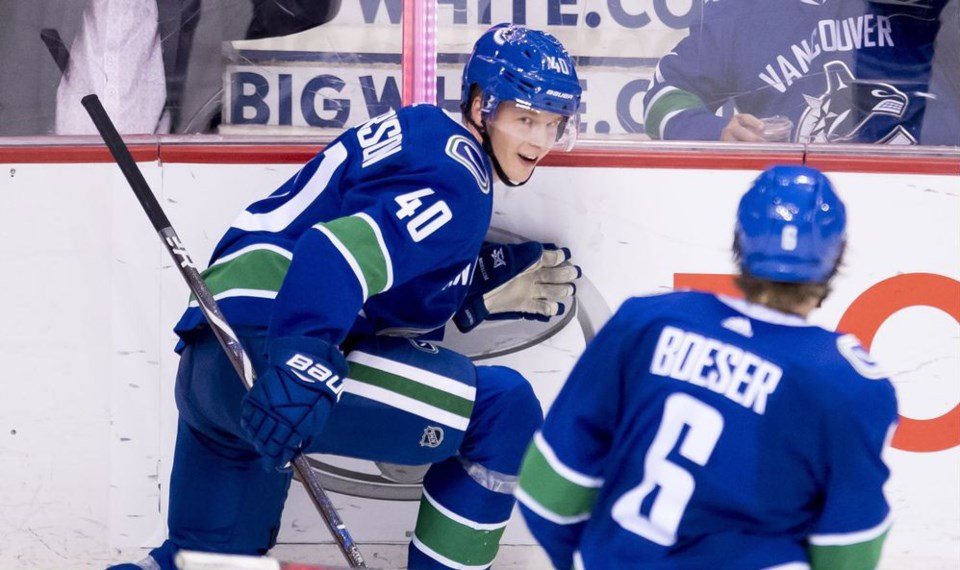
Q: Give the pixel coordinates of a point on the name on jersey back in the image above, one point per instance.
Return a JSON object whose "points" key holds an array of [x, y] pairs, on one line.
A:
{"points": [[738, 374]]}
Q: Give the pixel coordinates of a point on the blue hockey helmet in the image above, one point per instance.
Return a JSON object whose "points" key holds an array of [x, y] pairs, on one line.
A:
{"points": [[514, 63], [791, 226]]}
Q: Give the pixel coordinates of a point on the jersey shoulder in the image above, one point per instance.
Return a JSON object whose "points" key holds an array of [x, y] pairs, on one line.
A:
{"points": [[419, 145], [446, 147], [659, 305], [638, 313], [847, 368], [809, 346]]}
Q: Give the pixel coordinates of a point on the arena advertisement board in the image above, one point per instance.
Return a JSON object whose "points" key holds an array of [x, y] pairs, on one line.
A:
{"points": [[638, 231], [348, 70], [102, 402]]}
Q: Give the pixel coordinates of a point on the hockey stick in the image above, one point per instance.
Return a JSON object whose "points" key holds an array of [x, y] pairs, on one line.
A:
{"points": [[228, 339], [58, 50]]}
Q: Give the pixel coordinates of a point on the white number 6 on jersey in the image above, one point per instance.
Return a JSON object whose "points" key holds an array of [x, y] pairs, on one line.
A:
{"points": [[675, 484]]}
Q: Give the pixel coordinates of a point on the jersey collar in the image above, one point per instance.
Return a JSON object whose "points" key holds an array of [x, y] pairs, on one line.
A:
{"points": [[763, 313]]}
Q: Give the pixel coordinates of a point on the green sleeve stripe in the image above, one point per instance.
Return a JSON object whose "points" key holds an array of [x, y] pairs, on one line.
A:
{"points": [[387, 260], [859, 556], [416, 374], [552, 489], [525, 499], [348, 257], [429, 395], [407, 404], [448, 537], [359, 240], [256, 268], [670, 101], [562, 469]]}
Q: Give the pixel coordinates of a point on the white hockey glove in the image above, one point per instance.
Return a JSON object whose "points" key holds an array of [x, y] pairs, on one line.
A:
{"points": [[518, 281]]}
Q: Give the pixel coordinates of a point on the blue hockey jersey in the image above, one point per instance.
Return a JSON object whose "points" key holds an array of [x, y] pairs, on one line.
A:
{"points": [[841, 70], [378, 233], [706, 432]]}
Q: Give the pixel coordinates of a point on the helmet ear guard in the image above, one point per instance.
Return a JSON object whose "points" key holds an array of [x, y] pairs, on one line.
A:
{"points": [[791, 226]]}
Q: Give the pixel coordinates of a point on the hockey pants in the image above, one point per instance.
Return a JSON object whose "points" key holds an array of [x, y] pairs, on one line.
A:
{"points": [[403, 404]]}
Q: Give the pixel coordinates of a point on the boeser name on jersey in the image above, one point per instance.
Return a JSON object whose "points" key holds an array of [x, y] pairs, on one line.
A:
{"points": [[723, 368]]}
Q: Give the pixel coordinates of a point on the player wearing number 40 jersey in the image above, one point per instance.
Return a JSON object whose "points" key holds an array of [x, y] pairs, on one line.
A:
{"points": [[700, 431], [332, 280]]}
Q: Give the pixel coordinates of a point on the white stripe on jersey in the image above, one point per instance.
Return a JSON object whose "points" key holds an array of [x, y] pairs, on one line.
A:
{"points": [[258, 293], [415, 374], [462, 520], [278, 219], [383, 247], [405, 403], [255, 247], [443, 559], [561, 468], [845, 539], [348, 257]]}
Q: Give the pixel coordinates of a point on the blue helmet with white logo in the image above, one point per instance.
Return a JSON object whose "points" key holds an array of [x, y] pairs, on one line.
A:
{"points": [[791, 226], [514, 63]]}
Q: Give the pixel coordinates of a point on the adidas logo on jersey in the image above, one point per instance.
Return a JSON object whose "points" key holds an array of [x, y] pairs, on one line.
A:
{"points": [[739, 325]]}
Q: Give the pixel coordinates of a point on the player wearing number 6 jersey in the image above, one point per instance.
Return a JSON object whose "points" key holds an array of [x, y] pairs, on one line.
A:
{"points": [[701, 431], [332, 282]]}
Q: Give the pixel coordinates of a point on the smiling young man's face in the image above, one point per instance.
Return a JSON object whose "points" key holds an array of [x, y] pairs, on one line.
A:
{"points": [[521, 137]]}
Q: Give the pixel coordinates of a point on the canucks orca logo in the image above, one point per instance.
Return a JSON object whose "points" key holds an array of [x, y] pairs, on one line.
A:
{"points": [[847, 105], [465, 152]]}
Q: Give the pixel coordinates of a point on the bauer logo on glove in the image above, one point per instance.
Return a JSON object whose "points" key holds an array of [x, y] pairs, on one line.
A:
{"points": [[312, 372], [518, 281], [290, 401]]}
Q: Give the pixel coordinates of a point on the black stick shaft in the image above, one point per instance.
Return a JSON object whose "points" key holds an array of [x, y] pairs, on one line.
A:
{"points": [[58, 50], [227, 337]]}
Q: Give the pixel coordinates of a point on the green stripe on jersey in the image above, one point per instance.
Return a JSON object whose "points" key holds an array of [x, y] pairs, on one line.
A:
{"points": [[455, 540], [858, 556], [360, 239], [429, 395], [674, 101], [554, 492], [257, 269]]}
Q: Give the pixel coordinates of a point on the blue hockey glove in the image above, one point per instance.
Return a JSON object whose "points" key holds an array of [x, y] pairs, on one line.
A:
{"points": [[289, 403], [518, 281]]}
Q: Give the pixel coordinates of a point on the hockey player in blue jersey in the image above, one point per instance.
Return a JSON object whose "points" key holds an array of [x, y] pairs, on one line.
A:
{"points": [[853, 71], [332, 282], [700, 431]]}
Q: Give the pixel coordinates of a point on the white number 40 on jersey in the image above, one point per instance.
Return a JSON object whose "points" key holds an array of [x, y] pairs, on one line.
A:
{"points": [[424, 220]]}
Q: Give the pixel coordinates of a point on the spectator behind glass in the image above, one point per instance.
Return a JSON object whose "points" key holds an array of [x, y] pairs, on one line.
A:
{"points": [[135, 55], [190, 104], [273, 18], [115, 54], [840, 70]]}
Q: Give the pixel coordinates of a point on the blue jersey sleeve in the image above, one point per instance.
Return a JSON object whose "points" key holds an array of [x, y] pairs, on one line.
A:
{"points": [[854, 508], [691, 82], [565, 465]]}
